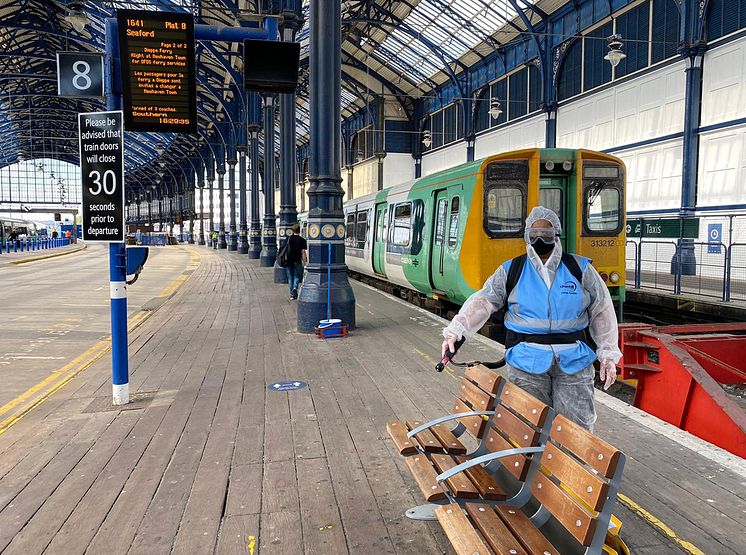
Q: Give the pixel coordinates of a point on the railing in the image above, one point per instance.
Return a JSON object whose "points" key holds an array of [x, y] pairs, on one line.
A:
{"points": [[687, 266], [32, 244]]}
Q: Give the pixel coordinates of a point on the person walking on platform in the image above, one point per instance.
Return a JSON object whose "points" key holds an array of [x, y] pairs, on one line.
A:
{"points": [[297, 257], [557, 302]]}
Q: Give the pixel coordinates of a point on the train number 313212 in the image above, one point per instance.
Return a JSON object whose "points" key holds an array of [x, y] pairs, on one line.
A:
{"points": [[603, 243]]}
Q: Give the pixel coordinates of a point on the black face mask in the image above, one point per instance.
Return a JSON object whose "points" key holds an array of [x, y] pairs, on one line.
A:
{"points": [[541, 247]]}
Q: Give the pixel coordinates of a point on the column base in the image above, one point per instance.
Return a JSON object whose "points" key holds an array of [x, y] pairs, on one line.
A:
{"points": [[201, 241], [222, 244], [312, 301], [267, 258], [280, 275], [233, 242], [255, 253]]}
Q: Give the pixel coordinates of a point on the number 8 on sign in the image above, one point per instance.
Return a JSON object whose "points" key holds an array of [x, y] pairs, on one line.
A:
{"points": [[81, 74]]}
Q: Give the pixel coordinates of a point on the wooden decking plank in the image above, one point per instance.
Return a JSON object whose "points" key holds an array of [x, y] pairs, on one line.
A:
{"points": [[42, 527], [244, 490], [280, 534], [280, 488], [322, 525], [81, 526], [237, 533], [28, 501]]}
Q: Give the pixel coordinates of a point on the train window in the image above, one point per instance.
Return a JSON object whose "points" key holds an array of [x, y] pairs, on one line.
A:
{"points": [[402, 229], [350, 234], [603, 208], [362, 229], [504, 210], [552, 198], [453, 225], [440, 227]]}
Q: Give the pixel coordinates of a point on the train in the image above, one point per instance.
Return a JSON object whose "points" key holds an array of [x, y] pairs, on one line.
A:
{"points": [[20, 228], [439, 237]]}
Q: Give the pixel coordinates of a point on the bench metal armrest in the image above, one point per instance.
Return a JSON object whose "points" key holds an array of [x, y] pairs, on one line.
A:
{"points": [[442, 419], [487, 458]]}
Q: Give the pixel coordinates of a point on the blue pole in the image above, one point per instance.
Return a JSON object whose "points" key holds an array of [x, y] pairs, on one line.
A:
{"points": [[117, 253], [329, 286]]}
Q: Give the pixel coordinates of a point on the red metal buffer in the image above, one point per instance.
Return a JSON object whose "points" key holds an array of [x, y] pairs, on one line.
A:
{"points": [[680, 373]]}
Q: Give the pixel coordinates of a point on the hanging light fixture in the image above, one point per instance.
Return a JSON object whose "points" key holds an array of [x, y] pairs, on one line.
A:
{"points": [[495, 110], [159, 149], [615, 54], [76, 16], [427, 138]]}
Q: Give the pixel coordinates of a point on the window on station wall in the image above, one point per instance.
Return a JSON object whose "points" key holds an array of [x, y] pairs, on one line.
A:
{"points": [[450, 124], [499, 90], [568, 83], [634, 26], [482, 107], [534, 88], [364, 143], [518, 94], [725, 17], [436, 128], [596, 70], [665, 31]]}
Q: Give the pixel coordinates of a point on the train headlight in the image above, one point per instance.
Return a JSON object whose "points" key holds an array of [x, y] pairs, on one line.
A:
{"points": [[567, 165], [614, 277], [604, 276]]}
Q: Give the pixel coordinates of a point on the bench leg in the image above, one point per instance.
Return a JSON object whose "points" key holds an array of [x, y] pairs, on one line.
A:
{"points": [[423, 512]]}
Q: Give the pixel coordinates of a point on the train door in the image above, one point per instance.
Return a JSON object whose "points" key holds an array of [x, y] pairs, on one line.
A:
{"points": [[553, 195], [379, 242], [443, 261]]}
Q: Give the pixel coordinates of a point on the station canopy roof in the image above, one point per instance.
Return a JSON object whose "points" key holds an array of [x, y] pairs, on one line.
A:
{"points": [[396, 48]]}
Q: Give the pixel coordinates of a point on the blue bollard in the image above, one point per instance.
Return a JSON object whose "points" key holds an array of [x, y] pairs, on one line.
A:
{"points": [[118, 296]]}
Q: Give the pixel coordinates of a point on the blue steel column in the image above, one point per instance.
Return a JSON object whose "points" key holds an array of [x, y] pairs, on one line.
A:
{"points": [[117, 252], [269, 239], [243, 237], [233, 239], [255, 231], [325, 215], [288, 208], [210, 183], [222, 243], [201, 185]]}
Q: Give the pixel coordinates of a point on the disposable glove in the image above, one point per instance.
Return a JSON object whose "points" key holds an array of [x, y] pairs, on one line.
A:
{"points": [[607, 373], [449, 343]]}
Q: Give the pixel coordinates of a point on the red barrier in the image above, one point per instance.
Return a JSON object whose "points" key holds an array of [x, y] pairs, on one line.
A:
{"points": [[680, 373]]}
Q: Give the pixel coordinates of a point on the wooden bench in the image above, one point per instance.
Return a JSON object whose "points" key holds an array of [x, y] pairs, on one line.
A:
{"points": [[507, 435], [576, 487]]}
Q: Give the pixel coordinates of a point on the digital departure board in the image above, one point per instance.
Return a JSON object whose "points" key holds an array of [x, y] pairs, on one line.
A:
{"points": [[156, 51]]}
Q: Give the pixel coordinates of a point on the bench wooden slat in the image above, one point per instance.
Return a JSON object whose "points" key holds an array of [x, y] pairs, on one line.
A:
{"points": [[460, 484], [425, 438], [484, 378], [475, 425], [398, 432], [572, 516], [464, 538], [603, 457], [488, 488], [517, 465], [528, 406], [472, 394], [426, 477], [449, 441], [515, 428], [583, 483], [522, 527], [501, 539]]}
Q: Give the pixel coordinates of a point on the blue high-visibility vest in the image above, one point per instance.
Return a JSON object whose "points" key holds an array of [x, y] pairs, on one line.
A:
{"points": [[535, 310]]}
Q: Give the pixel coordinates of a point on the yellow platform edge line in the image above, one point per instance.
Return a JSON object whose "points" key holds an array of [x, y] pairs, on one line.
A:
{"points": [[59, 378], [659, 525]]}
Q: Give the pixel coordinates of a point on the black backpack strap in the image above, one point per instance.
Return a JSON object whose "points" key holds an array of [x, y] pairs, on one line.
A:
{"points": [[572, 264], [514, 274]]}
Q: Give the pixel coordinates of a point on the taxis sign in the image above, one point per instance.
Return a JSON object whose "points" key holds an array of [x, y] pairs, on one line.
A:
{"points": [[662, 228]]}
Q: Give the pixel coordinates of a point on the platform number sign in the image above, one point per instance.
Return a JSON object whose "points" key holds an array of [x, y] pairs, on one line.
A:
{"points": [[102, 175], [80, 74], [714, 238]]}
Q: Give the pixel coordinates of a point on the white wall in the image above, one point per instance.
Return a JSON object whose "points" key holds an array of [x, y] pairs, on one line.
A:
{"points": [[724, 83], [397, 168], [722, 167], [644, 108], [444, 158], [654, 176], [364, 178], [526, 134]]}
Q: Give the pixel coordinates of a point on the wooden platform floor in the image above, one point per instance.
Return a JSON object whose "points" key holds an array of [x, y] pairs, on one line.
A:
{"points": [[208, 460]]}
